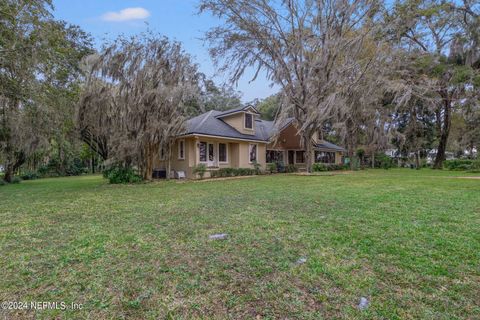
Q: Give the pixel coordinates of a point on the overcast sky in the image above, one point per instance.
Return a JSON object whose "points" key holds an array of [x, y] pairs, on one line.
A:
{"points": [[105, 19]]}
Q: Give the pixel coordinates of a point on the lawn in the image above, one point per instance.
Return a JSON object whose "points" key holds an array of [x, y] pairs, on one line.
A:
{"points": [[408, 241]]}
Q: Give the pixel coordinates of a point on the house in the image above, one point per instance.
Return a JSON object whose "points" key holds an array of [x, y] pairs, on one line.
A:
{"points": [[432, 154], [238, 138]]}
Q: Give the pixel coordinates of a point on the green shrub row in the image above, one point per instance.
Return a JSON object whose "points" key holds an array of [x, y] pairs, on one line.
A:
{"points": [[462, 165], [233, 172], [318, 167]]}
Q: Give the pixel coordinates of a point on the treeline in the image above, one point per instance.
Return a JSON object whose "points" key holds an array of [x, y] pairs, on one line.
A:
{"points": [[368, 74], [66, 109]]}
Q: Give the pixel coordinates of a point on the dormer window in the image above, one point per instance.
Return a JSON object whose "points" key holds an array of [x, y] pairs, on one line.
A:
{"points": [[248, 121]]}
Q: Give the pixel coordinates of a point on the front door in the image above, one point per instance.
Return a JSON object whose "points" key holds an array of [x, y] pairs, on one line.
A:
{"points": [[211, 155], [291, 156]]}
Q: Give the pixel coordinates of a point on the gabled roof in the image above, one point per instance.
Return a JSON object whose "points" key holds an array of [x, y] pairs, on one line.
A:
{"points": [[211, 124], [328, 146], [237, 110]]}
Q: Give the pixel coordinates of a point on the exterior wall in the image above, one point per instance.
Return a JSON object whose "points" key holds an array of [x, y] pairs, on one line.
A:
{"points": [[237, 155], [287, 139], [237, 121], [244, 157]]}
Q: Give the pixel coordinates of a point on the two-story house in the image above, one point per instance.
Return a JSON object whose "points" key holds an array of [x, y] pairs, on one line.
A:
{"points": [[238, 138]]}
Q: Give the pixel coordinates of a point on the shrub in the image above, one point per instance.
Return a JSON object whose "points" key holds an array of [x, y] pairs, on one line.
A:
{"points": [[30, 175], [383, 161], [16, 179], [318, 167], [291, 168], [200, 169], [280, 166], [75, 168], [458, 164], [272, 167], [256, 167], [475, 167], [120, 174], [233, 172], [3, 182]]}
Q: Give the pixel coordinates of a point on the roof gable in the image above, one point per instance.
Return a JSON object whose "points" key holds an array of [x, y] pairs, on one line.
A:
{"points": [[230, 112], [211, 123]]}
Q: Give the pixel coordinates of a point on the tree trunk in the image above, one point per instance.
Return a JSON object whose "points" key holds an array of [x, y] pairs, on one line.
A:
{"points": [[307, 141], [417, 160], [444, 127], [169, 167], [373, 159], [147, 169], [8, 172], [12, 164]]}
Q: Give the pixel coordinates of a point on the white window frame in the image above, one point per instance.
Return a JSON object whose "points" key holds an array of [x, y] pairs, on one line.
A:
{"points": [[181, 142], [256, 152], [226, 152], [245, 120]]}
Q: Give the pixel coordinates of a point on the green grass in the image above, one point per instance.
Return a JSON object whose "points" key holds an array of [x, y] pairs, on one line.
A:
{"points": [[407, 240]]}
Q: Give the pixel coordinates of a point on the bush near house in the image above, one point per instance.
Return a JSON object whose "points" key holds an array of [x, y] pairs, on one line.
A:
{"points": [[233, 172], [200, 169], [319, 167], [291, 168], [272, 167], [120, 174]]}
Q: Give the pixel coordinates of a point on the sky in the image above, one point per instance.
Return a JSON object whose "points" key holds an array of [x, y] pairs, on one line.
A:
{"points": [[178, 20]]}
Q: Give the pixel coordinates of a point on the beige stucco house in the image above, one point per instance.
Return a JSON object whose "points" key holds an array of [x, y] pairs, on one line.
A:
{"points": [[238, 138]]}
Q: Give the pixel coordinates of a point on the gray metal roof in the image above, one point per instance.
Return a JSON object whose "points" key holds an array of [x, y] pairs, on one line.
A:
{"points": [[210, 123], [325, 145], [235, 110]]}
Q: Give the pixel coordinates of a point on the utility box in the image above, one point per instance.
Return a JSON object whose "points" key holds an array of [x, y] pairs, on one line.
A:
{"points": [[180, 174]]}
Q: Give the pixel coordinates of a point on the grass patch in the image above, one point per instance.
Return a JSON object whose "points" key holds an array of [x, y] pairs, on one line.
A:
{"points": [[407, 240]]}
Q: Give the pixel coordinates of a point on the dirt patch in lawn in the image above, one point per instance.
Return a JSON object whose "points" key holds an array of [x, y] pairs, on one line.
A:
{"points": [[469, 178]]}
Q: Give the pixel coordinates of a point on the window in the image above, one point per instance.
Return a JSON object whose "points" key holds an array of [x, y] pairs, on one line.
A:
{"points": [[248, 121], [222, 152], [252, 152], [203, 151], [324, 157], [211, 152], [181, 149], [300, 157], [274, 156]]}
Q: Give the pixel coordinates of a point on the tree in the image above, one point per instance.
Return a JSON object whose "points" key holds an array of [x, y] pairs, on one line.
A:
{"points": [[39, 59], [219, 98], [308, 48], [137, 93], [269, 107], [431, 32]]}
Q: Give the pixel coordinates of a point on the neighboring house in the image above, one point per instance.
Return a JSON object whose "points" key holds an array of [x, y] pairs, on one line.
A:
{"points": [[392, 153], [432, 154], [238, 138]]}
